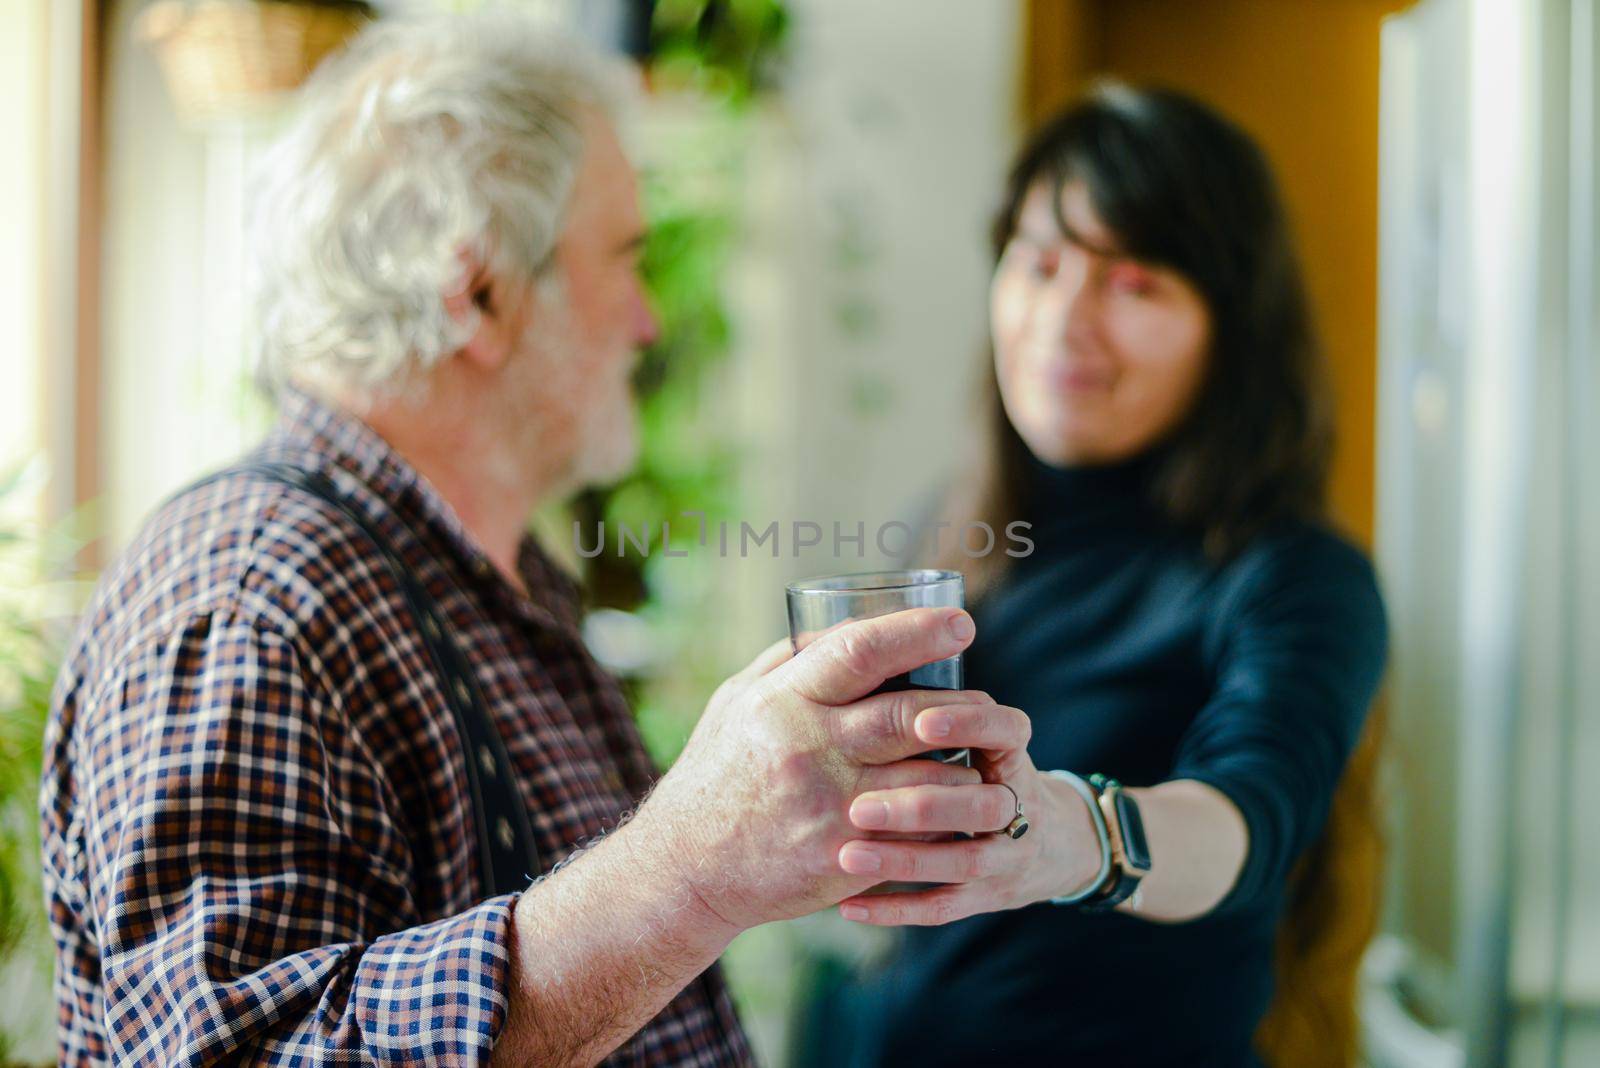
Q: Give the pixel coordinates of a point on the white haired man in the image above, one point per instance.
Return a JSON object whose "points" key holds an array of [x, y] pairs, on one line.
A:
{"points": [[326, 748]]}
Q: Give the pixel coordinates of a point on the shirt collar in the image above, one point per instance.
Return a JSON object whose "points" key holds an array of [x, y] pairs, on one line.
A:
{"points": [[320, 435]]}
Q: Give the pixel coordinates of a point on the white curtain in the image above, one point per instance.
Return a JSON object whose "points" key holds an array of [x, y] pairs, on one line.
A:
{"points": [[1489, 533]]}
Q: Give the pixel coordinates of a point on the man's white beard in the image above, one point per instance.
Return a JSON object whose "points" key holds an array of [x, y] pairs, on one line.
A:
{"points": [[600, 442], [603, 437], [609, 440]]}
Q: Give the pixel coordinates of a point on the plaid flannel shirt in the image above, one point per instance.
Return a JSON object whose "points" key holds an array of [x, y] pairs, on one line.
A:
{"points": [[258, 835]]}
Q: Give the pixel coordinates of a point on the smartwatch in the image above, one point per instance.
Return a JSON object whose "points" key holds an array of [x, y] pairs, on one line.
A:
{"points": [[1124, 851], [1130, 851]]}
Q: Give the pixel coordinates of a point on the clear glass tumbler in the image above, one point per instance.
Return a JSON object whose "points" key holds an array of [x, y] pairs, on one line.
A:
{"points": [[817, 605]]}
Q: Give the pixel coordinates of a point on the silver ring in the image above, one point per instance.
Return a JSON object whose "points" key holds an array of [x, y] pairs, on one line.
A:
{"points": [[1019, 823]]}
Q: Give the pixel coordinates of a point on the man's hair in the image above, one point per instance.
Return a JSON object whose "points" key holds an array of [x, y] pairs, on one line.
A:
{"points": [[424, 138]]}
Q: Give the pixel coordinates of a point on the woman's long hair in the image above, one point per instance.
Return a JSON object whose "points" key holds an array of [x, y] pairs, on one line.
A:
{"points": [[1182, 187]]}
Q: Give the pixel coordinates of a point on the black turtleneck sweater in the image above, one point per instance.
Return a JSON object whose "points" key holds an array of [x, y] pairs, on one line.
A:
{"points": [[1136, 657]]}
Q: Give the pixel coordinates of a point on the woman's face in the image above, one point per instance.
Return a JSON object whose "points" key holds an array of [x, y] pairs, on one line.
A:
{"points": [[1098, 356]]}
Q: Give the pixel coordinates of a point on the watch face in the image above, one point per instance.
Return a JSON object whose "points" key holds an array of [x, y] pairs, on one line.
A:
{"points": [[1135, 850]]}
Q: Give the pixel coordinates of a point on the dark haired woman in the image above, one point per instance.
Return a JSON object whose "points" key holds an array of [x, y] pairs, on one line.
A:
{"points": [[1186, 625]]}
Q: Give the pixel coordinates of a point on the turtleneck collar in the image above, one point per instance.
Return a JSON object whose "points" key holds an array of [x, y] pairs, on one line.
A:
{"points": [[1087, 497]]}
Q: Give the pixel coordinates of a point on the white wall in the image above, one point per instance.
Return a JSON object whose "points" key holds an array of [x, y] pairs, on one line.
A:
{"points": [[176, 402], [22, 114], [905, 111], [900, 126]]}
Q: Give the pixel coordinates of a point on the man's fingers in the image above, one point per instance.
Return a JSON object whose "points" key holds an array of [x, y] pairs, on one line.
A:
{"points": [[882, 728], [944, 862], [975, 726], [770, 657], [805, 638], [845, 665], [973, 809]]}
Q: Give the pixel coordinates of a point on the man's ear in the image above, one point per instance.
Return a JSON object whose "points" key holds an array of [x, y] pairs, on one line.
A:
{"points": [[485, 298]]}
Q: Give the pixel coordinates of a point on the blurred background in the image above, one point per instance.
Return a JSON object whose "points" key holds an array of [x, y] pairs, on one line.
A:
{"points": [[819, 176]]}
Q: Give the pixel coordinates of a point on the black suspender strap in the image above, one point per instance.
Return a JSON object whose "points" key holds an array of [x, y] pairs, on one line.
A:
{"points": [[506, 848]]}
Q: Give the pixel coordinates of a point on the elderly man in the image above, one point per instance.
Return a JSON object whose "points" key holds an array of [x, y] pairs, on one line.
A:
{"points": [[330, 714]]}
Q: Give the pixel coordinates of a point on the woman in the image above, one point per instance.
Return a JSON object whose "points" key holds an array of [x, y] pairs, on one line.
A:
{"points": [[1186, 623]]}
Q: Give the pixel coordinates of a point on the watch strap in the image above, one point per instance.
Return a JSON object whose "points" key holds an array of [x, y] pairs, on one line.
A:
{"points": [[1123, 886]]}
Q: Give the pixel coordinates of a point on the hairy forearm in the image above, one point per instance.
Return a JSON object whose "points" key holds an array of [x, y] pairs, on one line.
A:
{"points": [[1198, 841], [598, 948]]}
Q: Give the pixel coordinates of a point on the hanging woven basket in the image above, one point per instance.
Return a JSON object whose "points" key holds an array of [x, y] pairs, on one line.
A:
{"points": [[223, 58]]}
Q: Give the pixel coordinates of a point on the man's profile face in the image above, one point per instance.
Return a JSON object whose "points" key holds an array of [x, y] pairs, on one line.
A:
{"points": [[604, 316]]}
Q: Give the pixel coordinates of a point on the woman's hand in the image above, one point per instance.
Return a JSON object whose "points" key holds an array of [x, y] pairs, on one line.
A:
{"points": [[1058, 855]]}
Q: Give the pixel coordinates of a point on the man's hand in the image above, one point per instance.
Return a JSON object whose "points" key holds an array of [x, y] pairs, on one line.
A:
{"points": [[753, 814], [745, 828]]}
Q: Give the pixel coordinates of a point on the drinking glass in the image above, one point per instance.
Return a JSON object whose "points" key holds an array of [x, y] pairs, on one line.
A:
{"points": [[817, 605]]}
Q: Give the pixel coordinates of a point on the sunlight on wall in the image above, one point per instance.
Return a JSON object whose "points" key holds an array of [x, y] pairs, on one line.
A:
{"points": [[21, 260], [177, 399]]}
